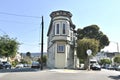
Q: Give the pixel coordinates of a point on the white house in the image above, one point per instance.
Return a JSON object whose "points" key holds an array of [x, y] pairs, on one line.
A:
{"points": [[106, 55], [61, 50]]}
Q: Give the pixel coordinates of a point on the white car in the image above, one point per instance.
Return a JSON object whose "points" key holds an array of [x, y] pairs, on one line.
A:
{"points": [[19, 66]]}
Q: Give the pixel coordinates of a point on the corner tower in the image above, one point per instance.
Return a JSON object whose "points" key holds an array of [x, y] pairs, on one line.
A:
{"points": [[61, 40]]}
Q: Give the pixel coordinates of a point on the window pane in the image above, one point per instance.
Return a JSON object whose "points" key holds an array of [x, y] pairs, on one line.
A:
{"points": [[60, 48], [57, 29], [64, 29]]}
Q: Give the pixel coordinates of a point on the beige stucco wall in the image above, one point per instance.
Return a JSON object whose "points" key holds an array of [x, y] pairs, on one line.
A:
{"points": [[60, 60], [51, 57]]}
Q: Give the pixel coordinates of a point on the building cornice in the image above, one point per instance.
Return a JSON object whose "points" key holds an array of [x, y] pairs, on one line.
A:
{"points": [[65, 15], [61, 13]]}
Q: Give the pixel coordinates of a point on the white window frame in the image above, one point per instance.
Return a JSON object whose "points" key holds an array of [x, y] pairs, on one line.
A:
{"points": [[60, 48], [56, 28]]}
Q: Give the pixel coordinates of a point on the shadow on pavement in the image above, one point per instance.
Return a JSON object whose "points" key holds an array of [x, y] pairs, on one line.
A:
{"points": [[115, 77], [19, 70]]}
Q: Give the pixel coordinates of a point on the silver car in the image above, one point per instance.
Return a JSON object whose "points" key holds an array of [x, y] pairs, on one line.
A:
{"points": [[35, 64], [117, 68]]}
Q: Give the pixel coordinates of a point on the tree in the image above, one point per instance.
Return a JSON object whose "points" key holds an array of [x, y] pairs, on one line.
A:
{"points": [[28, 54], [105, 61], [44, 59], [8, 46], [23, 61], [85, 44], [28, 58], [15, 62], [93, 32], [117, 59]]}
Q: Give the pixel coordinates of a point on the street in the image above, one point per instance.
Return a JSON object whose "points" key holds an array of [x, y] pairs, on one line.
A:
{"points": [[62, 74]]}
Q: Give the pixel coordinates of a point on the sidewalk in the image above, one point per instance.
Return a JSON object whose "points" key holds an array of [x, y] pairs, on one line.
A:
{"points": [[3, 74], [68, 70], [62, 70]]}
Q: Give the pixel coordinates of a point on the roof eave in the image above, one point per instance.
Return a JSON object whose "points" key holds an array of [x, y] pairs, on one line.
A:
{"points": [[50, 26]]}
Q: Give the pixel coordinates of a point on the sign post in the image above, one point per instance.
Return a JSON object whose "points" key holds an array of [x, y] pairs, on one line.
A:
{"points": [[89, 52]]}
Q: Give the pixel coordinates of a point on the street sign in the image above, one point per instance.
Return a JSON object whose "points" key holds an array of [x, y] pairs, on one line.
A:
{"points": [[89, 52]]}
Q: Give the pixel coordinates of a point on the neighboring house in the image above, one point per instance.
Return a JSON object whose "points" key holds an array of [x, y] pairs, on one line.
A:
{"points": [[3, 59], [34, 56], [18, 57], [101, 55], [107, 55], [61, 41]]}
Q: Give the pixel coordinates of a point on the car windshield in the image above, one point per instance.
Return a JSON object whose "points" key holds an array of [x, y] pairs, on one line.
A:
{"points": [[5, 62], [35, 62]]}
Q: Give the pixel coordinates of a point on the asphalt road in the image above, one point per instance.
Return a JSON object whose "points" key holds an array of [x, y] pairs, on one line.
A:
{"points": [[62, 74], [18, 70]]}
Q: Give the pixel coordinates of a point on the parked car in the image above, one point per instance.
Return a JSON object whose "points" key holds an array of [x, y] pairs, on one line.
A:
{"points": [[81, 66], [35, 64], [111, 67], [19, 66], [95, 67], [1, 65], [6, 65], [26, 65], [117, 68]]}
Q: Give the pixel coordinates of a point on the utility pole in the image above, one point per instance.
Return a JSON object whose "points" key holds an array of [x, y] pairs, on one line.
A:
{"points": [[42, 44], [116, 45]]}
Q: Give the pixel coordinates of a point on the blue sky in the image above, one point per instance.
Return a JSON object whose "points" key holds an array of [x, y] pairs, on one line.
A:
{"points": [[27, 30]]}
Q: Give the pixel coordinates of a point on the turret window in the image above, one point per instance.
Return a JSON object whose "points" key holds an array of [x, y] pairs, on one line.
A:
{"points": [[60, 28], [57, 28], [64, 29]]}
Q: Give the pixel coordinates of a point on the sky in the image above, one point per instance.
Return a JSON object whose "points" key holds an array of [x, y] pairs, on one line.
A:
{"points": [[21, 19]]}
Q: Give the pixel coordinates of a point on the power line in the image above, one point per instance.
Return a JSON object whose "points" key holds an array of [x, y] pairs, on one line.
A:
{"points": [[3, 31], [28, 44], [19, 15], [18, 22]]}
